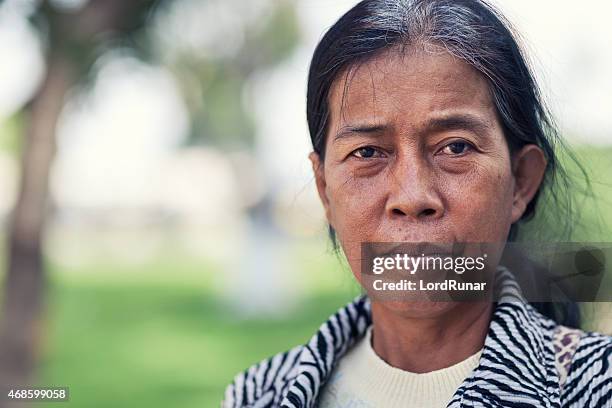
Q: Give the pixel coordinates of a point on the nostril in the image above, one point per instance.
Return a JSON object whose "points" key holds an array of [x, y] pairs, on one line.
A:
{"points": [[428, 212], [398, 211]]}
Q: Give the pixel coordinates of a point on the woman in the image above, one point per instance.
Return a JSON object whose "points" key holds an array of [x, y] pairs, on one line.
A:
{"points": [[427, 126]]}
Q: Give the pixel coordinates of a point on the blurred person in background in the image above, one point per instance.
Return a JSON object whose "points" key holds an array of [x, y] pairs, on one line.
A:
{"points": [[427, 125]]}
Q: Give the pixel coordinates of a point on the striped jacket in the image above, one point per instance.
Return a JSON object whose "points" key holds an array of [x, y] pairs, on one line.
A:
{"points": [[517, 367]]}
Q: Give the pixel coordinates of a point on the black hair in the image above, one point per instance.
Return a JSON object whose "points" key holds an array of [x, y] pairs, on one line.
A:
{"points": [[475, 32]]}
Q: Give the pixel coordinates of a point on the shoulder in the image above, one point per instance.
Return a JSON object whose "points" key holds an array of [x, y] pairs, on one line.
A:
{"points": [[263, 382], [269, 381], [593, 347], [589, 382]]}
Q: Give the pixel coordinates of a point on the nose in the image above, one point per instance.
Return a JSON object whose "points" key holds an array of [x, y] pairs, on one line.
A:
{"points": [[413, 192]]}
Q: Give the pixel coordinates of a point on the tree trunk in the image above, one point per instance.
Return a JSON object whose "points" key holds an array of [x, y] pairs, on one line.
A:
{"points": [[20, 328]]}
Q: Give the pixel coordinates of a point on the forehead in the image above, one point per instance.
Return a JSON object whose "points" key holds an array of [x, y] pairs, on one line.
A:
{"points": [[409, 87]]}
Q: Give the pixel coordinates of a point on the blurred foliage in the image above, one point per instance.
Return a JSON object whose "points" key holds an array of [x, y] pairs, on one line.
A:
{"points": [[214, 86], [75, 39], [586, 216], [82, 34], [11, 130]]}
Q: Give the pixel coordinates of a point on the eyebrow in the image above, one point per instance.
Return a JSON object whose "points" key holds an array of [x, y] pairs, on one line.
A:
{"points": [[346, 131], [458, 121], [461, 121]]}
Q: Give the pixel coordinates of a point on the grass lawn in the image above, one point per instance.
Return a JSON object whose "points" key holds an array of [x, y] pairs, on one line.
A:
{"points": [[124, 342]]}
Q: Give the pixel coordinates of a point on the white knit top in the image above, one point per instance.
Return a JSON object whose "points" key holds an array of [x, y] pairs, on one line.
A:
{"points": [[362, 379]]}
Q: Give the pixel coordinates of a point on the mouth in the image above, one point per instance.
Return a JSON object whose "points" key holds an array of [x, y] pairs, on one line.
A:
{"points": [[416, 249]]}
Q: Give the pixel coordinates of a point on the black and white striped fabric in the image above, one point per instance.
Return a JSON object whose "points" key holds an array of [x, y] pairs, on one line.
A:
{"points": [[516, 369]]}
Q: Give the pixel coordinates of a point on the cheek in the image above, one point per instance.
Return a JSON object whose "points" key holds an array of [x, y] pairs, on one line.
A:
{"points": [[355, 203], [480, 204], [356, 209]]}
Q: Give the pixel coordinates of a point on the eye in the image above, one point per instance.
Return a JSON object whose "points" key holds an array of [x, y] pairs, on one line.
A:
{"points": [[457, 148], [367, 152]]}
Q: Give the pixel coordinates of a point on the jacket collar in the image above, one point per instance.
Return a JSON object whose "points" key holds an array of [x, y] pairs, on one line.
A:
{"points": [[517, 363]]}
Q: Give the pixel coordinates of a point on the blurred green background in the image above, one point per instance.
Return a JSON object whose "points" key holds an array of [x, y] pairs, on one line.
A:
{"points": [[165, 340], [153, 158]]}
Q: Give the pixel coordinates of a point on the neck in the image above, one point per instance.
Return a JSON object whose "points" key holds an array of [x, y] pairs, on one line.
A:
{"points": [[423, 344]]}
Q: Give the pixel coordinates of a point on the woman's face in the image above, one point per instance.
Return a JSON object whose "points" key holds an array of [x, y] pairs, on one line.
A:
{"points": [[415, 153]]}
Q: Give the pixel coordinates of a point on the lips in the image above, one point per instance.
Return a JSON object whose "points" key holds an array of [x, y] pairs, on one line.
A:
{"points": [[415, 249]]}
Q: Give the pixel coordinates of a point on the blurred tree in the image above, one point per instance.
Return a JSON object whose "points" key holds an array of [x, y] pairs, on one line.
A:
{"points": [[75, 37], [213, 72], [77, 32], [220, 50]]}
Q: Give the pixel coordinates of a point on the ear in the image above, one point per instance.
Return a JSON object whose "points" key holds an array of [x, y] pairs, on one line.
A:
{"points": [[319, 173], [528, 167]]}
